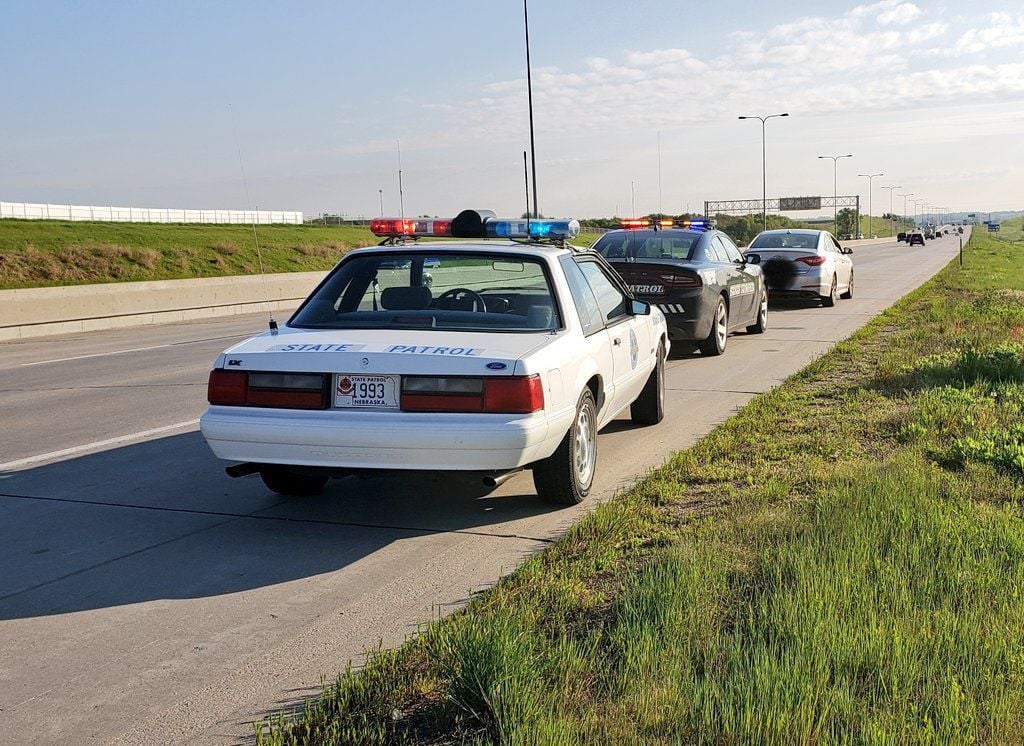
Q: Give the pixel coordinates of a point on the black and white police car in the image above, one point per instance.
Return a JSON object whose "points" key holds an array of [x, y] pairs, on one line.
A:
{"points": [[507, 354], [694, 274]]}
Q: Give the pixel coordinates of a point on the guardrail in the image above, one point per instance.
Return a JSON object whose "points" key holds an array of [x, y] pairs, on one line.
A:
{"points": [[110, 214]]}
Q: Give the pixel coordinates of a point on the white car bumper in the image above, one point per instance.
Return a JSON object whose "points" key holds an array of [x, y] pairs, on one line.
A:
{"points": [[382, 440]]}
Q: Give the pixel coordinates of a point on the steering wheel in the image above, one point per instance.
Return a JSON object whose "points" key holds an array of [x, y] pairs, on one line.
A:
{"points": [[454, 294]]}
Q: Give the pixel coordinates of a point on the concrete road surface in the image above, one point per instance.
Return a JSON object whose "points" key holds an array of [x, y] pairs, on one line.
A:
{"points": [[147, 597]]}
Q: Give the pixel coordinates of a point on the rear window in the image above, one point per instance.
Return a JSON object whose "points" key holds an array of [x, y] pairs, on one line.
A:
{"points": [[647, 244], [785, 241], [433, 290]]}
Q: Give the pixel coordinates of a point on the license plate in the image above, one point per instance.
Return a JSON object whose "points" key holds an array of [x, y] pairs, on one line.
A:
{"points": [[373, 392], [647, 289]]}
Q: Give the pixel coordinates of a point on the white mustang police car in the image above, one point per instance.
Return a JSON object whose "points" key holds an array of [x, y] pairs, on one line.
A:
{"points": [[478, 356]]}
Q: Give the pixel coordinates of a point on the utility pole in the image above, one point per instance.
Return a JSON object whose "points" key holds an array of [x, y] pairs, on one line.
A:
{"points": [[764, 162], [835, 188], [529, 95]]}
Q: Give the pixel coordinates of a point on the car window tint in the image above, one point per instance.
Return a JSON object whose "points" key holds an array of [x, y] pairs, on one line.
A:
{"points": [[716, 251], [642, 244], [785, 240], [612, 301], [730, 249], [582, 296]]}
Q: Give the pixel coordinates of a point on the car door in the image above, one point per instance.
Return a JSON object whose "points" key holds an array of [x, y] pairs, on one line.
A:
{"points": [[628, 335], [597, 342], [744, 293], [844, 263], [729, 277]]}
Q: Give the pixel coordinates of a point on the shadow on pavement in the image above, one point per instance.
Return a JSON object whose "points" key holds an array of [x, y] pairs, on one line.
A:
{"points": [[161, 520]]}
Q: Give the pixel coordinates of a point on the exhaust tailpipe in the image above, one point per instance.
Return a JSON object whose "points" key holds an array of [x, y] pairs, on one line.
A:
{"points": [[241, 470], [496, 480]]}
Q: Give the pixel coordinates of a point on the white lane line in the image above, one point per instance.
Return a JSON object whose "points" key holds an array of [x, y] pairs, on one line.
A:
{"points": [[94, 354], [10, 465]]}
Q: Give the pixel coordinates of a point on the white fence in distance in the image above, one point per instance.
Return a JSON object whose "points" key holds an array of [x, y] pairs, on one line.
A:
{"points": [[105, 213]]}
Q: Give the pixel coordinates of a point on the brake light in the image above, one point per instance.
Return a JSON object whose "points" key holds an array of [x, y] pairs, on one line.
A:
{"points": [[504, 394], [812, 261], [227, 387], [514, 395], [679, 281], [237, 388]]}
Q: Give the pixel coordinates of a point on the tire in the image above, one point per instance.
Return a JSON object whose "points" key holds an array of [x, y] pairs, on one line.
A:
{"points": [[830, 300], [291, 484], [760, 325], [565, 477], [849, 290], [718, 337], [649, 407]]}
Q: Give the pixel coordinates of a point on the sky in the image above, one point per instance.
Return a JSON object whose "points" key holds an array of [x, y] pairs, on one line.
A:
{"points": [[168, 104]]}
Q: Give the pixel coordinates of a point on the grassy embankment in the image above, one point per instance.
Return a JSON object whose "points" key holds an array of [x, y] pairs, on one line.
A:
{"points": [[842, 561], [37, 253]]}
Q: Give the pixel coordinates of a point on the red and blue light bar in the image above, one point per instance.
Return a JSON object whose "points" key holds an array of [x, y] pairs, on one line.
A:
{"points": [[645, 223], [475, 225]]}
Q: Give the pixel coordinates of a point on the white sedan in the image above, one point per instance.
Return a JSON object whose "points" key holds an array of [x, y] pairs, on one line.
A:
{"points": [[499, 356], [803, 263]]}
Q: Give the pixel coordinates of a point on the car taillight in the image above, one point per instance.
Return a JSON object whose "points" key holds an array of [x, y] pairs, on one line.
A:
{"points": [[504, 394], [228, 387], [281, 390], [681, 280], [812, 261], [514, 395]]}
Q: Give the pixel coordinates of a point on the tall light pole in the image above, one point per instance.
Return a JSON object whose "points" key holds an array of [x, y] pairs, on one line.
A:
{"points": [[908, 194], [764, 165], [835, 187], [916, 203], [380, 194], [529, 95], [892, 217], [870, 178]]}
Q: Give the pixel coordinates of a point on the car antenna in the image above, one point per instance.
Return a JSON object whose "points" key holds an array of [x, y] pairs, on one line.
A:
{"points": [[526, 176], [271, 322]]}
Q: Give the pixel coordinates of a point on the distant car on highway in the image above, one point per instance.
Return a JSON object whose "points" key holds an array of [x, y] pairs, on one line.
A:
{"points": [[916, 239], [900, 237], [694, 274], [803, 263], [512, 357]]}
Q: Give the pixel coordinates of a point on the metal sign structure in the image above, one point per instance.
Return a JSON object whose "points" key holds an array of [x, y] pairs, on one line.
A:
{"points": [[755, 206]]}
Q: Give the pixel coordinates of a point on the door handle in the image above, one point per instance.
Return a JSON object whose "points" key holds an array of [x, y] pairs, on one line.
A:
{"points": [[616, 341]]}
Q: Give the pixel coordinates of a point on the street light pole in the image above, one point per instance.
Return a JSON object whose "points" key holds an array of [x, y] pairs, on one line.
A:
{"points": [[870, 178], [764, 164], [380, 193], [892, 218], [908, 194], [835, 188]]}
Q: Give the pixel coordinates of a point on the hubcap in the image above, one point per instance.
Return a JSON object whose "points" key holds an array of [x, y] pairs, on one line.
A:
{"points": [[764, 309], [585, 451], [721, 326]]}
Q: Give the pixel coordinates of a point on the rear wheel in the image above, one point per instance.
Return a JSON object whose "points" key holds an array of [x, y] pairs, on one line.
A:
{"points": [[649, 407], [565, 477], [761, 323], [291, 484], [719, 334], [849, 290], [830, 300]]}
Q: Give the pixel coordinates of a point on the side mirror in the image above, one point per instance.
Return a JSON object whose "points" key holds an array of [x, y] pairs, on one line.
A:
{"points": [[641, 308], [846, 250], [753, 258]]}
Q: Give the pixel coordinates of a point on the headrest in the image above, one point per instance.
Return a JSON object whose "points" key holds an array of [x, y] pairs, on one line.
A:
{"points": [[405, 298]]}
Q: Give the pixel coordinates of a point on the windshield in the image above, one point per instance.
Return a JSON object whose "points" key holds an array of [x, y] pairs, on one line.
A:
{"points": [[647, 244], [433, 290], [785, 241]]}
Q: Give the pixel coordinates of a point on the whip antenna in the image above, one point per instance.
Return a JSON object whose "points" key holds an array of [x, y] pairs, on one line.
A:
{"points": [[271, 323], [526, 177]]}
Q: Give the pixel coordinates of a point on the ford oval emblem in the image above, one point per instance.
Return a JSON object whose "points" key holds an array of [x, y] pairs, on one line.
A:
{"points": [[365, 362], [496, 366]]}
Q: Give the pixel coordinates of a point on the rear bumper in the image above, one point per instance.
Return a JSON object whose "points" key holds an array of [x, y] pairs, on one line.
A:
{"points": [[684, 317], [382, 440]]}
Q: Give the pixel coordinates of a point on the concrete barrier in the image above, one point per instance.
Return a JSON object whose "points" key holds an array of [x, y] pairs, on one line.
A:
{"points": [[39, 312]]}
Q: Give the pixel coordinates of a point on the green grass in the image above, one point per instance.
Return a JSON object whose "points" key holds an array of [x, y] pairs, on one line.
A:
{"points": [[843, 561], [49, 252]]}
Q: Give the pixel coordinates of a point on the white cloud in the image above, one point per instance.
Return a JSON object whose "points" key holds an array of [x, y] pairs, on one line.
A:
{"points": [[1003, 30]]}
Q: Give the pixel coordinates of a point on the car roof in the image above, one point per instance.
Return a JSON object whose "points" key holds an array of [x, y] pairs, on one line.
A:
{"points": [[805, 231]]}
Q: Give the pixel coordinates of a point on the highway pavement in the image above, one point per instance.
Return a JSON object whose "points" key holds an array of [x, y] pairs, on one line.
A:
{"points": [[147, 597]]}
